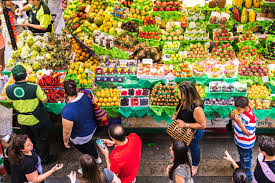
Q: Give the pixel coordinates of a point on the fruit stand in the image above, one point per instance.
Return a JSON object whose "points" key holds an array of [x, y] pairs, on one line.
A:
{"points": [[133, 54]]}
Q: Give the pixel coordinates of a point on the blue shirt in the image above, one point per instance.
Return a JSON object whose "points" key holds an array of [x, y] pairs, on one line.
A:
{"points": [[80, 112]]}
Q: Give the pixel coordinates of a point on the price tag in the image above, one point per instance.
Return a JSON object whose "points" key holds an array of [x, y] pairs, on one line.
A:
{"points": [[265, 79], [87, 9], [183, 54], [87, 70], [158, 20], [147, 61], [240, 28]]}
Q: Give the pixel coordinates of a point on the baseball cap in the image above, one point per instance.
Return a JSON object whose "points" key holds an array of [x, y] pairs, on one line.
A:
{"points": [[19, 72]]}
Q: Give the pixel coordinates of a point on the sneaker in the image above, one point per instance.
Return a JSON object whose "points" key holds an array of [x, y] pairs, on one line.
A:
{"points": [[98, 160]]}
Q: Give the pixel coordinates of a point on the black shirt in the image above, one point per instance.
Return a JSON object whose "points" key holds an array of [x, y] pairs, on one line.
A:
{"points": [[28, 165], [260, 174], [187, 115]]}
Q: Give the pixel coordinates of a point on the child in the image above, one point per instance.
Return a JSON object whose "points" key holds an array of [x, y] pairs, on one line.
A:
{"points": [[244, 132], [265, 168], [239, 174]]}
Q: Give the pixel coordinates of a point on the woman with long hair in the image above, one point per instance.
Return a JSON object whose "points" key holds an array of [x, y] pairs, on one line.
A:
{"points": [[181, 169], [191, 115], [78, 120], [25, 164], [91, 173]]}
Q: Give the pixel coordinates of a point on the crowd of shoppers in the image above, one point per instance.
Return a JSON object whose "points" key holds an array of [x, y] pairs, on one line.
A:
{"points": [[123, 162]]}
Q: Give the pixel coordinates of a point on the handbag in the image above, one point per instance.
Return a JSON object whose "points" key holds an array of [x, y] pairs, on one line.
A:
{"points": [[100, 115], [184, 134]]}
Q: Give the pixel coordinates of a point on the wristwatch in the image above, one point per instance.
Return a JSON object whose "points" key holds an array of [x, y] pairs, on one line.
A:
{"points": [[187, 125]]}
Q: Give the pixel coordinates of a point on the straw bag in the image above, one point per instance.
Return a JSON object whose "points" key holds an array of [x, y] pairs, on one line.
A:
{"points": [[184, 134]]}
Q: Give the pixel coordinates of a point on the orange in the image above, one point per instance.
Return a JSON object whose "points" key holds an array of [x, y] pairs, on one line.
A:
{"points": [[100, 99], [103, 105], [110, 100], [77, 55], [81, 58], [96, 100], [116, 104], [105, 100], [108, 104], [98, 93], [99, 104], [112, 103], [83, 54], [114, 99], [103, 95], [107, 95]]}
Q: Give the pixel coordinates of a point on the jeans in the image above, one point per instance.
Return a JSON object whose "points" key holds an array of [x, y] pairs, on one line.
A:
{"points": [[195, 148], [245, 160], [88, 148]]}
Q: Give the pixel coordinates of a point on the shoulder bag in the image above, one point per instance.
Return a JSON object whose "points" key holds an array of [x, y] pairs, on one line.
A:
{"points": [[100, 115], [184, 134]]}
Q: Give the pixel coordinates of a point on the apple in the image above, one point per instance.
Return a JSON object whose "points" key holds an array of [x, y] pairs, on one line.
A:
{"points": [[246, 74], [244, 36], [226, 56], [265, 71], [246, 66], [222, 26], [155, 9], [228, 34], [173, 8], [167, 9], [220, 39], [250, 74], [158, 3], [252, 67], [220, 50], [225, 39], [257, 74], [254, 71], [225, 30], [257, 67], [224, 51], [243, 69], [214, 49], [260, 70], [161, 9], [240, 73], [217, 34], [262, 74], [164, 4], [176, 3]]}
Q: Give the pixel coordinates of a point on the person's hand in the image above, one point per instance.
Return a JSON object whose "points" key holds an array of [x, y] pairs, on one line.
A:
{"points": [[18, 11], [72, 176], [26, 23], [67, 145], [57, 167], [238, 119], [104, 151], [232, 115], [108, 142], [168, 169], [181, 124], [174, 117], [228, 157]]}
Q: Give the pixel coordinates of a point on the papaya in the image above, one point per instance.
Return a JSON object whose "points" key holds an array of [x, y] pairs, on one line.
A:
{"points": [[239, 3], [251, 16], [244, 16], [237, 15], [248, 3], [256, 3]]}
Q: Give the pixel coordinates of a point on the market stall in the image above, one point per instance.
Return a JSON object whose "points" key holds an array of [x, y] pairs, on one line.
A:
{"points": [[133, 55]]}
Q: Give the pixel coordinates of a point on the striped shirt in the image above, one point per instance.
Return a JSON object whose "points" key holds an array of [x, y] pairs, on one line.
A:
{"points": [[249, 121]]}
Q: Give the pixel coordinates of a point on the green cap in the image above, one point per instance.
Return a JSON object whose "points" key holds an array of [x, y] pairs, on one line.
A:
{"points": [[19, 72]]}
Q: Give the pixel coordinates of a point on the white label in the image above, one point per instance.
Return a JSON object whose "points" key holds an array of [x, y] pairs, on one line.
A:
{"points": [[87, 9], [183, 54], [240, 28], [158, 20], [147, 61], [166, 82], [87, 70], [265, 79]]}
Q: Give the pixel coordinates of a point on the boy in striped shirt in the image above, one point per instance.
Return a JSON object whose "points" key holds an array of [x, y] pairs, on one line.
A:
{"points": [[244, 132]]}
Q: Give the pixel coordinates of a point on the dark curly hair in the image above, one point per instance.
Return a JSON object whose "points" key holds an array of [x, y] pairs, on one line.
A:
{"points": [[16, 155], [267, 144]]}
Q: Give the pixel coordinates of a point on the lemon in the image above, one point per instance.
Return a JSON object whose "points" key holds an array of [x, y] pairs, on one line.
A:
{"points": [[75, 72], [70, 71], [112, 30], [84, 75], [78, 77]]}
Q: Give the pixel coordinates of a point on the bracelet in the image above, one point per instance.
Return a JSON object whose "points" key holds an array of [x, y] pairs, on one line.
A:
{"points": [[187, 125]]}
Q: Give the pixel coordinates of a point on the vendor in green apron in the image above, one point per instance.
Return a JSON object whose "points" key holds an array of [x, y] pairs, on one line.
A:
{"points": [[40, 19], [31, 115]]}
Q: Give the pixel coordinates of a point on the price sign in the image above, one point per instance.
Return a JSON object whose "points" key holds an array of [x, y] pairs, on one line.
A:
{"points": [[207, 45], [87, 9], [147, 61], [240, 28], [87, 70], [158, 20], [183, 54], [265, 79]]}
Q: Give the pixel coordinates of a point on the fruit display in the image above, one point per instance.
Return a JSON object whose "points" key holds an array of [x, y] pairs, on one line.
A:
{"points": [[81, 73], [125, 42], [270, 29], [150, 35], [201, 90], [219, 102], [134, 92], [216, 71], [183, 70], [240, 87], [247, 52], [257, 91], [50, 51], [197, 32], [268, 52], [247, 36], [55, 95], [244, 16], [119, 11], [253, 69], [259, 104], [143, 51], [217, 18], [167, 6], [198, 70], [81, 54], [222, 35], [134, 101], [162, 95], [230, 70], [124, 102], [175, 58], [224, 52], [173, 32], [130, 26], [195, 14], [140, 9], [144, 102], [196, 51], [107, 97], [53, 80]]}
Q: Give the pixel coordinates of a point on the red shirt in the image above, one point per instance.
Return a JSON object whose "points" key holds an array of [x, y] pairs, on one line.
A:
{"points": [[125, 159]]}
